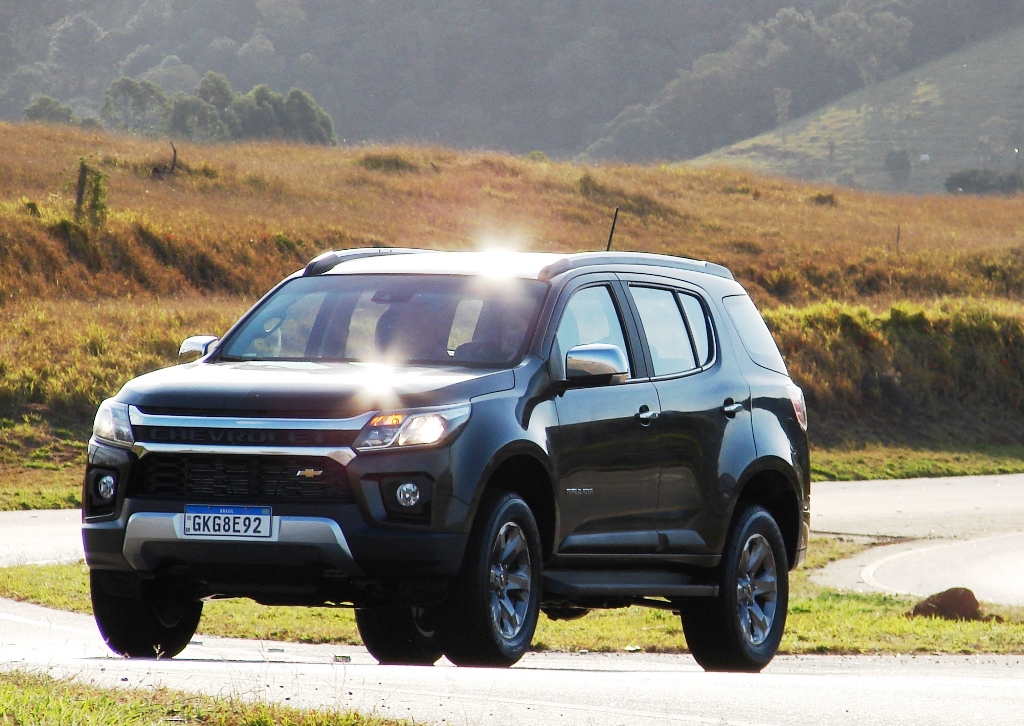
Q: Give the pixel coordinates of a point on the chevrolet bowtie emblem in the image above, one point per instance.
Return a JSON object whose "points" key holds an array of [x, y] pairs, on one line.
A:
{"points": [[309, 473]]}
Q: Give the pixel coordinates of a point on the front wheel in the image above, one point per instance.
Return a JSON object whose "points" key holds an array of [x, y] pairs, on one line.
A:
{"points": [[150, 627], [399, 635], [740, 629], [492, 612]]}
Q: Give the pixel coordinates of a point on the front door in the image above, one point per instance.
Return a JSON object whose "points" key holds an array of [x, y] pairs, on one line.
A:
{"points": [[602, 447]]}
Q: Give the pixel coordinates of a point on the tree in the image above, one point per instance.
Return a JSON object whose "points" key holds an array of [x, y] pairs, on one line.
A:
{"points": [[260, 114], [897, 163], [306, 121], [195, 119], [216, 91], [874, 43], [138, 107], [47, 110]]}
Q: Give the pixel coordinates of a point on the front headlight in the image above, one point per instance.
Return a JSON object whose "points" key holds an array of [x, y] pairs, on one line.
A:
{"points": [[112, 425], [401, 429]]}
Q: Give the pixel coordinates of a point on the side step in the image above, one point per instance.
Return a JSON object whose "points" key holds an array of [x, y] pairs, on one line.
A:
{"points": [[575, 584]]}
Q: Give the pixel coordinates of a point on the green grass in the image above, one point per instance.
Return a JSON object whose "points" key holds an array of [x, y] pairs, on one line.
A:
{"points": [[900, 462], [821, 620], [27, 698]]}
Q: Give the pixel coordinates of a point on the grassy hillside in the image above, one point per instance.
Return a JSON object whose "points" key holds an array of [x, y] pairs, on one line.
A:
{"points": [[965, 110], [234, 219], [912, 368]]}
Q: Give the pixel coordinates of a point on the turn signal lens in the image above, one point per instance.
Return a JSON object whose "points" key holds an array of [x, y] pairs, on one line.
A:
{"points": [[391, 419], [413, 428]]}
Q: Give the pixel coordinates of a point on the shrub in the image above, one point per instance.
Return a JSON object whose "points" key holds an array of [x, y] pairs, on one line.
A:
{"points": [[983, 181]]}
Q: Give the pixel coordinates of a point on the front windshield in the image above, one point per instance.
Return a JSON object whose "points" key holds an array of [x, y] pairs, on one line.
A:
{"points": [[424, 319]]}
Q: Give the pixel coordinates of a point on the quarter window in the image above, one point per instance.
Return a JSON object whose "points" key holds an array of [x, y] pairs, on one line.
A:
{"points": [[700, 328], [667, 337]]}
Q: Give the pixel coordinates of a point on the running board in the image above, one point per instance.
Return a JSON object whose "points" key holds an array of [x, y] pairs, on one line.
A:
{"points": [[595, 583]]}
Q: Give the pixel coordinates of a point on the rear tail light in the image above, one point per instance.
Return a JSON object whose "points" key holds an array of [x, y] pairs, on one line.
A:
{"points": [[799, 405]]}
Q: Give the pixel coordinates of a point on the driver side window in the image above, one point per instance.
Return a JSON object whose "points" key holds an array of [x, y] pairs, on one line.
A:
{"points": [[589, 317]]}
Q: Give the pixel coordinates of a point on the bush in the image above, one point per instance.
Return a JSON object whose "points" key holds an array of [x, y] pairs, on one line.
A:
{"points": [[983, 181]]}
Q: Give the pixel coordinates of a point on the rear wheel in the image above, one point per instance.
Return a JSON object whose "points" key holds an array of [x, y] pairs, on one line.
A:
{"points": [[150, 627], [740, 630], [399, 635], [492, 612]]}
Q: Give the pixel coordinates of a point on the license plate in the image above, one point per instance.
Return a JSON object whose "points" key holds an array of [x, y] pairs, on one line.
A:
{"points": [[227, 521]]}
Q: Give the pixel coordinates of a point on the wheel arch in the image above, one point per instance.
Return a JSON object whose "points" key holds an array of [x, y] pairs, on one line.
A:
{"points": [[522, 470], [772, 487]]}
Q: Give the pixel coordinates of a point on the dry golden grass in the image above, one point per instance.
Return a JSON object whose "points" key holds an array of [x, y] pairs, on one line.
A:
{"points": [[235, 218]]}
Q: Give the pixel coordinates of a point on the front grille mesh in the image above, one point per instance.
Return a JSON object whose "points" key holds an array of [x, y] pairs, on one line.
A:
{"points": [[240, 479]]}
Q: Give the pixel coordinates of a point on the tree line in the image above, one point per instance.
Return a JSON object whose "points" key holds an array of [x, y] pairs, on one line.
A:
{"points": [[559, 76], [214, 112]]}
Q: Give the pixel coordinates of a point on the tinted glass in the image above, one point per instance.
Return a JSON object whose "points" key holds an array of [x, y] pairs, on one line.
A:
{"points": [[665, 330], [427, 319], [699, 326], [757, 339], [589, 317]]}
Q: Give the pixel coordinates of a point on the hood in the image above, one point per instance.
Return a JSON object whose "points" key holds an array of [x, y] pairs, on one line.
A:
{"points": [[305, 390]]}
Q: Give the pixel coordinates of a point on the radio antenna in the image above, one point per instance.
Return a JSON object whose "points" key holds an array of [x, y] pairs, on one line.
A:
{"points": [[612, 233]]}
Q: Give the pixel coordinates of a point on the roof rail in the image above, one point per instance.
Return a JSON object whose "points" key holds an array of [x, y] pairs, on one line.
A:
{"points": [[328, 260], [587, 259]]}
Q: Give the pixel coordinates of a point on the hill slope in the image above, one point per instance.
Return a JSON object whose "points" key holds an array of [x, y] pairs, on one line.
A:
{"points": [[234, 219], [965, 110]]}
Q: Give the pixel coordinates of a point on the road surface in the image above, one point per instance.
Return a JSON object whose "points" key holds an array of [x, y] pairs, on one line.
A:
{"points": [[545, 688], [951, 532], [599, 689]]}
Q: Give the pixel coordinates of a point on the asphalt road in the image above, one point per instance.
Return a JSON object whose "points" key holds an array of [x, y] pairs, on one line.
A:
{"points": [[952, 532], [627, 688], [545, 688]]}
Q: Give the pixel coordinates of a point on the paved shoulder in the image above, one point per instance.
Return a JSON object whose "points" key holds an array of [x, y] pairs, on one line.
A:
{"points": [[953, 532], [40, 537], [949, 507]]}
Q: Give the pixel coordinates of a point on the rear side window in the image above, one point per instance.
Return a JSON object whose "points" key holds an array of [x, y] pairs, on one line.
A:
{"points": [[756, 337], [665, 330]]}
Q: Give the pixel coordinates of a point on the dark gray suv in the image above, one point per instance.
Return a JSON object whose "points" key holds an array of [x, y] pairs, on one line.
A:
{"points": [[452, 443]]}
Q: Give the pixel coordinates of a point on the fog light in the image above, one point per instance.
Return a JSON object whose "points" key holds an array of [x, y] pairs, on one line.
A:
{"points": [[106, 487], [408, 494]]}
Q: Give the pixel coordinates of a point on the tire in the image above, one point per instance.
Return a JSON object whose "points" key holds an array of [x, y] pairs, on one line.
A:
{"points": [[491, 614], [740, 629], [144, 628], [399, 636]]}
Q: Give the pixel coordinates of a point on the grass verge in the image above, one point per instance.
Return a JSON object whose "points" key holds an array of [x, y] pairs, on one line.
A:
{"points": [[820, 621], [27, 698], [902, 462]]}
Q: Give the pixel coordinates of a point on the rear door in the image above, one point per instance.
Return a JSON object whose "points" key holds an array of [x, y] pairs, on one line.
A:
{"points": [[703, 436]]}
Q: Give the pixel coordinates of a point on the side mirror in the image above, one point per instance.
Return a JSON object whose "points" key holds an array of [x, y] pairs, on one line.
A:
{"points": [[595, 364], [196, 347]]}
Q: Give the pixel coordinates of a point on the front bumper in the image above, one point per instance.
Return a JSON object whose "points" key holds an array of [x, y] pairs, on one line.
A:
{"points": [[338, 548]]}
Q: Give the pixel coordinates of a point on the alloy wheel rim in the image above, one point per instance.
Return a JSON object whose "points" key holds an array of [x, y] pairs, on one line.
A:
{"points": [[510, 580], [757, 589]]}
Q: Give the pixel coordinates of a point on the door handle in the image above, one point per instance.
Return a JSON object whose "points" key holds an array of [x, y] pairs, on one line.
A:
{"points": [[646, 415], [730, 408]]}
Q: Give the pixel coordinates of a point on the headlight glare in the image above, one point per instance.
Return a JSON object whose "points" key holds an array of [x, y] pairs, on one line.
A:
{"points": [[112, 424], [411, 428]]}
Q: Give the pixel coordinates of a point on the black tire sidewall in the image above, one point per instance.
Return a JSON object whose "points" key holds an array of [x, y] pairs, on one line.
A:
{"points": [[470, 633], [131, 627], [755, 521], [391, 636]]}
